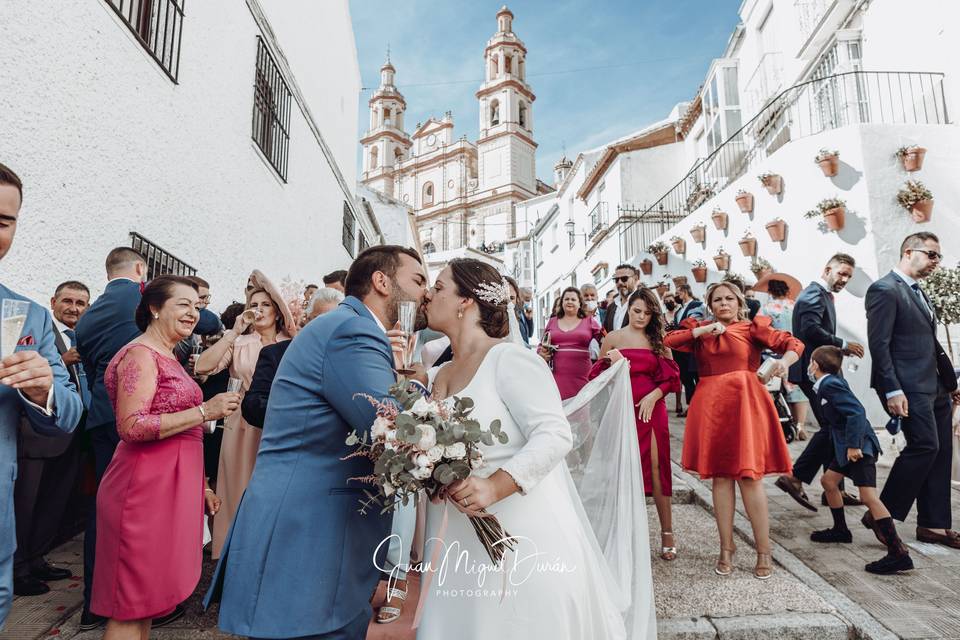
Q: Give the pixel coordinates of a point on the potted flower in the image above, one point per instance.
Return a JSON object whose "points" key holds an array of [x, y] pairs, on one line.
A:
{"points": [[699, 233], [646, 266], [943, 289], [772, 182], [832, 210], [659, 250], [829, 161], [911, 157], [699, 270], [662, 287], [917, 199], [679, 280], [722, 259], [719, 218], [744, 200], [777, 228], [679, 244], [761, 268], [748, 244]]}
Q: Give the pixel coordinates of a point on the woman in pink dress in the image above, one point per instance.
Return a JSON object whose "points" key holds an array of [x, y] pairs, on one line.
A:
{"points": [[653, 375], [151, 501], [268, 322], [568, 351]]}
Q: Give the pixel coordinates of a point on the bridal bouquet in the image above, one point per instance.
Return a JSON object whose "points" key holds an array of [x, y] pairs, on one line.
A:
{"points": [[420, 444]]}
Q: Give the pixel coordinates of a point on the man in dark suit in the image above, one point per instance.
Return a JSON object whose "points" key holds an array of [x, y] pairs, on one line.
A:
{"points": [[815, 324], [48, 466], [915, 380], [626, 278], [690, 307]]}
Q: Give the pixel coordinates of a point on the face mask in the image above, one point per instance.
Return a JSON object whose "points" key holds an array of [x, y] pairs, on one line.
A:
{"points": [[810, 376], [671, 305], [591, 305]]}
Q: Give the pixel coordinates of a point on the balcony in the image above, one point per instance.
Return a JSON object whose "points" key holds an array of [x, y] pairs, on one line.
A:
{"points": [[598, 219], [765, 82]]}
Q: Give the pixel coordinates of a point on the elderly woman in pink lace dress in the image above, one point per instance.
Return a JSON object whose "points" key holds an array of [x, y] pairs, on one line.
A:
{"points": [[151, 501]]}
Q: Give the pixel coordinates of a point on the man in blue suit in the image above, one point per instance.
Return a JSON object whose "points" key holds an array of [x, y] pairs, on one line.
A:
{"points": [[34, 385], [298, 561]]}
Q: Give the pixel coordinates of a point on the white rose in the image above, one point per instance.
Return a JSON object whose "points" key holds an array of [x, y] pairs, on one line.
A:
{"points": [[380, 427], [421, 474], [428, 436], [423, 461], [476, 463], [456, 451], [390, 435], [435, 453], [423, 407]]}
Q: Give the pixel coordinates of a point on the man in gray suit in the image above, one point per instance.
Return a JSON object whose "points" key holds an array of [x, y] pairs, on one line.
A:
{"points": [[915, 381], [33, 384]]}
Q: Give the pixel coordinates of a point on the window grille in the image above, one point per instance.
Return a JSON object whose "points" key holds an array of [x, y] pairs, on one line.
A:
{"points": [[271, 111], [349, 233], [159, 262], [158, 25]]}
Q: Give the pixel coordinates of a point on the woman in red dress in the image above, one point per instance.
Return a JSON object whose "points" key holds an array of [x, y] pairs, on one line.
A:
{"points": [[733, 432], [653, 375], [571, 331], [151, 501]]}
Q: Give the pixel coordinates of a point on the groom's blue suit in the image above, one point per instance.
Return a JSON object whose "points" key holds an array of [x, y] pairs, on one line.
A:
{"points": [[298, 560]]}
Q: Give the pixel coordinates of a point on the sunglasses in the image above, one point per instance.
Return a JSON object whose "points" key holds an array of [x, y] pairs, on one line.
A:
{"points": [[622, 278], [933, 255]]}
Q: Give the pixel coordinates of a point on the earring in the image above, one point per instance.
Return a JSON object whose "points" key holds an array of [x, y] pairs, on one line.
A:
{"points": [[459, 314], [156, 316]]}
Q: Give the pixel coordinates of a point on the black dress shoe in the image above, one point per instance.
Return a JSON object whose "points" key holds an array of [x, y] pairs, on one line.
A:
{"points": [[795, 491], [832, 535], [29, 586], [162, 621], [848, 500], [868, 523], [890, 564], [48, 572], [90, 621]]}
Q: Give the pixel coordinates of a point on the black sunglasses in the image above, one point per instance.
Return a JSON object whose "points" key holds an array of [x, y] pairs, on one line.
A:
{"points": [[622, 278], [933, 255]]}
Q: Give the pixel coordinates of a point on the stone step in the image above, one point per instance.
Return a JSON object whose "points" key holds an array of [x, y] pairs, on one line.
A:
{"points": [[782, 626]]}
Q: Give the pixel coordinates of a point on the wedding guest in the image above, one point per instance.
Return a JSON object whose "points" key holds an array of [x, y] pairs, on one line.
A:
{"points": [[733, 433], [690, 307], [526, 293], [210, 386], [515, 300], [336, 280], [779, 308], [669, 317], [591, 307], [254, 405], [151, 500], [915, 380], [308, 292], [626, 277], [570, 334], [270, 321], [653, 375], [605, 304]]}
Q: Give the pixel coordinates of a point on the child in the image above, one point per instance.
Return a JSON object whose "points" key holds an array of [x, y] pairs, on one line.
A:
{"points": [[855, 450]]}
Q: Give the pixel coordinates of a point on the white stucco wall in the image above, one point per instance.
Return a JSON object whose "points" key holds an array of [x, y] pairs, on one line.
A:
{"points": [[106, 144]]}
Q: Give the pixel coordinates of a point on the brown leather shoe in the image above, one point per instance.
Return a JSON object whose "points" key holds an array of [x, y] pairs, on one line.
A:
{"points": [[794, 488], [950, 539]]}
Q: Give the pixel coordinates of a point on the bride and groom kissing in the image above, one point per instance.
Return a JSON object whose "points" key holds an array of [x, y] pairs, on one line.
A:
{"points": [[299, 560]]}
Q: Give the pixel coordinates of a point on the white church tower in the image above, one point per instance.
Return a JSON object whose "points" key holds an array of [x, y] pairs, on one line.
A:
{"points": [[506, 148], [386, 144]]}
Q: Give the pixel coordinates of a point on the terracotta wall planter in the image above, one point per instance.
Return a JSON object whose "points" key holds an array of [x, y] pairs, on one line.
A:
{"points": [[922, 211], [646, 266], [834, 218], [773, 184], [748, 246], [680, 246], [913, 160], [719, 220], [830, 166], [662, 257], [722, 262], [777, 230], [762, 273], [745, 202], [699, 234], [699, 274]]}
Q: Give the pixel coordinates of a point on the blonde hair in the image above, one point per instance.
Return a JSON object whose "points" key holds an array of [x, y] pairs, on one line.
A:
{"points": [[742, 312]]}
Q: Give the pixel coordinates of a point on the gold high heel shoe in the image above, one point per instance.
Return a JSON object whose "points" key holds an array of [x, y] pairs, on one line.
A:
{"points": [[725, 562], [764, 567]]}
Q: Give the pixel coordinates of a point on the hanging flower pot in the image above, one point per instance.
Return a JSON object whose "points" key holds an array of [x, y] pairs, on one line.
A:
{"points": [[679, 280], [699, 233], [722, 260], [772, 182], [835, 218], [777, 230], [748, 245], [917, 199], [679, 245], [719, 219], [761, 268], [662, 257], [829, 162], [699, 270], [922, 210], [646, 266], [911, 157], [745, 201], [659, 251]]}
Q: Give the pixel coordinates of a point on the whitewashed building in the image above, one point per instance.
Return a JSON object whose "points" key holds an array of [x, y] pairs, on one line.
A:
{"points": [[212, 136]]}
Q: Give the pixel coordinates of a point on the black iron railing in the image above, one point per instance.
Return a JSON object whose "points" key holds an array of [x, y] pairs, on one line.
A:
{"points": [[159, 262], [808, 108], [271, 110], [158, 25], [598, 219]]}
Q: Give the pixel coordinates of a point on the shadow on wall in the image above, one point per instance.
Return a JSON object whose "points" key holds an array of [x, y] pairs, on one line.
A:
{"points": [[847, 176], [859, 283], [854, 229]]}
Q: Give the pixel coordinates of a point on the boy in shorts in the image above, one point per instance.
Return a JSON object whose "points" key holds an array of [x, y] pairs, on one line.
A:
{"points": [[855, 452]]}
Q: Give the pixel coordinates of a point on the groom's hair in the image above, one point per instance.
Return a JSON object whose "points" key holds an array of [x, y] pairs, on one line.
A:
{"points": [[385, 258]]}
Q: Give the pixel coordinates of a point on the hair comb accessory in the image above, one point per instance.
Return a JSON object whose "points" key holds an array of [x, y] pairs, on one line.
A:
{"points": [[494, 292]]}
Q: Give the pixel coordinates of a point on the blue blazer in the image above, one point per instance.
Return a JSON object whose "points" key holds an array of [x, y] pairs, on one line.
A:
{"points": [[849, 427], [814, 324], [66, 414], [298, 558]]}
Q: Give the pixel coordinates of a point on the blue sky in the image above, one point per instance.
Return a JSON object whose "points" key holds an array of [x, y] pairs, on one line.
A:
{"points": [[600, 69]]}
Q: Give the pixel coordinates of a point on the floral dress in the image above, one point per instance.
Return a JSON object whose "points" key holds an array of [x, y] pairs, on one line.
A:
{"points": [[781, 313]]}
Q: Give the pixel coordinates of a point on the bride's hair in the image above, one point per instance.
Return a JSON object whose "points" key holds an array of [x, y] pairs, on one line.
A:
{"points": [[469, 274]]}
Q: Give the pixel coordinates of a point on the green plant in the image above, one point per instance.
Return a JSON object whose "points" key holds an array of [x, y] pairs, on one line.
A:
{"points": [[699, 264], [902, 151], [913, 192], [760, 265], [657, 247], [825, 205], [825, 154], [943, 289]]}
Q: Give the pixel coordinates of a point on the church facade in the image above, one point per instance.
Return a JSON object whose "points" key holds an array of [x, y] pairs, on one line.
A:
{"points": [[462, 192]]}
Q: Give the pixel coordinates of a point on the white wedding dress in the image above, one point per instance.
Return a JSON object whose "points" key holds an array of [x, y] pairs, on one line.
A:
{"points": [[559, 583]]}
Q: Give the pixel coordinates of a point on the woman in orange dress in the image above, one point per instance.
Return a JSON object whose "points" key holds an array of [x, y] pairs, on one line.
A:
{"points": [[733, 432]]}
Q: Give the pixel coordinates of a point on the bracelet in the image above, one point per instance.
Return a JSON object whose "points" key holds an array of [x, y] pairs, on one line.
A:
{"points": [[203, 411], [210, 491]]}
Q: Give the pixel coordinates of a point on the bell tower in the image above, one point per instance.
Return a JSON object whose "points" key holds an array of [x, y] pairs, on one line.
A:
{"points": [[385, 144]]}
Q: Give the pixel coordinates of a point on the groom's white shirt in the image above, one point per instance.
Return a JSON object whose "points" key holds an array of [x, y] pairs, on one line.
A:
{"points": [[376, 319]]}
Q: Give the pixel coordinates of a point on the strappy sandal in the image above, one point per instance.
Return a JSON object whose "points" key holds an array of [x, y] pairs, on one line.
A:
{"points": [[725, 562], [764, 567], [388, 613], [667, 553]]}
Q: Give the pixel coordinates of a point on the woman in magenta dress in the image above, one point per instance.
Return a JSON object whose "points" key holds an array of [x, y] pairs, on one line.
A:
{"points": [[151, 501], [653, 375], [570, 332]]}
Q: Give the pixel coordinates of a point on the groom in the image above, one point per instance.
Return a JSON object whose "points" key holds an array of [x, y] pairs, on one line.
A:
{"points": [[298, 561]]}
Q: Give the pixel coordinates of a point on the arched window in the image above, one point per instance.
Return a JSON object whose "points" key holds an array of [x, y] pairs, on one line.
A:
{"points": [[494, 113], [521, 70], [397, 155], [386, 116], [374, 157], [429, 248], [523, 114], [507, 64], [493, 67], [428, 194]]}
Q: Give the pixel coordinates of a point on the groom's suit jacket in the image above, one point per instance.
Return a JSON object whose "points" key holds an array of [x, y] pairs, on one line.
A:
{"points": [[37, 335], [298, 560]]}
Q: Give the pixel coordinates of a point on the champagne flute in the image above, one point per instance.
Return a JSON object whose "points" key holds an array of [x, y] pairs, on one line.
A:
{"points": [[406, 318], [12, 318], [233, 385]]}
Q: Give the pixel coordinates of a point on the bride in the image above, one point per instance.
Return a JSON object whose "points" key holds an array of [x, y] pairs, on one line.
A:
{"points": [[556, 583]]}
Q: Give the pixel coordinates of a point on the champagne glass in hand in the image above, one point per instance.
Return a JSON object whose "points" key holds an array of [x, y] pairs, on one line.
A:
{"points": [[406, 318]]}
